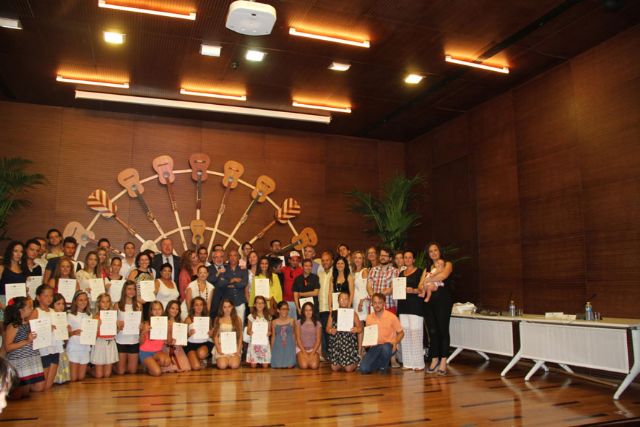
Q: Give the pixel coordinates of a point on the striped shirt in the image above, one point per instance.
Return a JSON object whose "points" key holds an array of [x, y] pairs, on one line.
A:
{"points": [[381, 277]]}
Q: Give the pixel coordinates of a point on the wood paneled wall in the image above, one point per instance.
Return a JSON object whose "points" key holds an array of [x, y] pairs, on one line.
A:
{"points": [[541, 185], [81, 150]]}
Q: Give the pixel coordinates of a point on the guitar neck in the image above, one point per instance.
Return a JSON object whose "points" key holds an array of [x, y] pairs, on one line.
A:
{"points": [[223, 201], [262, 232], [172, 197], [199, 194], [125, 225], [146, 208], [248, 211]]}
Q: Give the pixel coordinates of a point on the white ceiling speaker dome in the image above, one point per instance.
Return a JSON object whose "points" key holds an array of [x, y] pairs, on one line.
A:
{"points": [[251, 18]]}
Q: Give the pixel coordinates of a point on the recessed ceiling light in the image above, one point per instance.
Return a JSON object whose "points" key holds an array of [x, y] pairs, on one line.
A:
{"points": [[210, 50], [113, 37], [213, 95], [322, 107], [339, 66], [13, 24], [359, 43], [503, 70], [255, 55], [413, 79], [180, 15], [123, 85], [202, 106]]}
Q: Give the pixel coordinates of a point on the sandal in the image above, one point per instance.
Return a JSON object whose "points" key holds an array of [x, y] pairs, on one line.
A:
{"points": [[442, 372]]}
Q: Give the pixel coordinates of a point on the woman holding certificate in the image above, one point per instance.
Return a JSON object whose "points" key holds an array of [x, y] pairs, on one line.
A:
{"points": [[151, 354], [143, 273], [343, 328], [105, 351], [265, 271], [51, 353], [308, 338], [258, 328], [128, 326], [227, 336], [18, 342], [89, 271], [165, 288], [341, 281], [64, 280], [410, 311], [79, 354], [11, 270], [199, 343]]}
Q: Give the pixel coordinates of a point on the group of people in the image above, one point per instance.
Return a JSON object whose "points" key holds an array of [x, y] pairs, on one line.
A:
{"points": [[278, 310]]}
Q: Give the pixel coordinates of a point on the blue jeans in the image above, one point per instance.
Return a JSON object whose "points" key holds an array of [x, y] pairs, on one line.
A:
{"points": [[376, 358]]}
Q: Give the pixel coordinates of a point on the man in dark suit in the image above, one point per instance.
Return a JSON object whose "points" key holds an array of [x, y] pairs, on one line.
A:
{"points": [[166, 256]]}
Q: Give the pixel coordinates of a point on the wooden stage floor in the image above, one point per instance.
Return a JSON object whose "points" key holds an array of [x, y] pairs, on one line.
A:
{"points": [[472, 394]]}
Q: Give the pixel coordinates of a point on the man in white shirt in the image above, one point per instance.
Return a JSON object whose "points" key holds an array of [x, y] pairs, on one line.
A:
{"points": [[129, 259], [324, 275]]}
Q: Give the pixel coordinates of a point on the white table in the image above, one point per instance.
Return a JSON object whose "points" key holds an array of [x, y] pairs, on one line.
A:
{"points": [[482, 334], [602, 344]]}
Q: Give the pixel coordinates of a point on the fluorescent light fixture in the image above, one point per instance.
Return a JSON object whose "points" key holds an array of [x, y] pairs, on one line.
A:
{"points": [[189, 15], [413, 79], [255, 55], [339, 66], [113, 37], [13, 24], [503, 70], [189, 105], [213, 95], [123, 85], [210, 50], [322, 107], [359, 43]]}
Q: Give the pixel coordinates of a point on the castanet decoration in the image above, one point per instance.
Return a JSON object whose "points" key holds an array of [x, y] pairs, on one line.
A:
{"points": [[264, 186], [232, 173], [289, 209], [100, 202], [307, 237], [163, 165], [130, 180], [199, 163]]}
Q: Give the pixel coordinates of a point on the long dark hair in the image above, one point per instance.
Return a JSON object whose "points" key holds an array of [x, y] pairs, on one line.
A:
{"points": [[265, 311], [235, 320], [8, 254], [314, 316], [269, 272], [429, 260], [347, 271], [204, 313], [12, 312]]}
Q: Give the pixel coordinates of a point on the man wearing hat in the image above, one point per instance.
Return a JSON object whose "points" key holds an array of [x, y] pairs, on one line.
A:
{"points": [[290, 272]]}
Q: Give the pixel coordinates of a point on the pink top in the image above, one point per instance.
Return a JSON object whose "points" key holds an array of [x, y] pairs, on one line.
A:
{"points": [[151, 346]]}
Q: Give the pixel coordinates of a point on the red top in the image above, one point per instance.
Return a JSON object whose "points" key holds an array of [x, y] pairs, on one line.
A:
{"points": [[290, 275]]}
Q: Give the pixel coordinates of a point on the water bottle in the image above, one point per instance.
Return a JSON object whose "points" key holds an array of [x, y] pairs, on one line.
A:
{"points": [[512, 308], [588, 311]]}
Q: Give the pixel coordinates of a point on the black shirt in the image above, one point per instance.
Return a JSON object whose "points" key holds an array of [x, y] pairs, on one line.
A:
{"points": [[307, 284], [413, 304]]}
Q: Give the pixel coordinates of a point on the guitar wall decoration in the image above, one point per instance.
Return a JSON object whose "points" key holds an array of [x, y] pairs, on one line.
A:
{"points": [[199, 172]]}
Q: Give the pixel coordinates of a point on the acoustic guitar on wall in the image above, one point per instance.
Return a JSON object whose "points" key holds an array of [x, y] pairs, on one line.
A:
{"points": [[199, 164], [289, 209], [307, 237], [264, 186], [130, 180], [163, 165], [232, 173]]}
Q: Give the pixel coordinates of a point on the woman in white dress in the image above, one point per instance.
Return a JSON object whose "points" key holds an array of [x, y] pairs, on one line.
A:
{"points": [[361, 300], [198, 288]]}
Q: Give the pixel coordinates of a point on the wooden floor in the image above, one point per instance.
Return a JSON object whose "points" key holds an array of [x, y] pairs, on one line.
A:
{"points": [[472, 394]]}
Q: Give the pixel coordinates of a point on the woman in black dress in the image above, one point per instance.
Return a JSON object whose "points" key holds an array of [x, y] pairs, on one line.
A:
{"points": [[411, 312]]}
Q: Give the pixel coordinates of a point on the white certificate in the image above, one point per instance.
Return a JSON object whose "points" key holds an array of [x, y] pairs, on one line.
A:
{"points": [[89, 330], [59, 320], [13, 290], [179, 333], [399, 288], [132, 322], [334, 300], [116, 290], [159, 328], [345, 319], [303, 301], [259, 331], [201, 326], [228, 342], [262, 288], [32, 285], [108, 319], [42, 329], [147, 290], [67, 288], [370, 336], [97, 288]]}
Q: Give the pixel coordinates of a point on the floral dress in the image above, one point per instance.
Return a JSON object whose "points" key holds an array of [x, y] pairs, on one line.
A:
{"points": [[257, 353], [343, 346]]}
